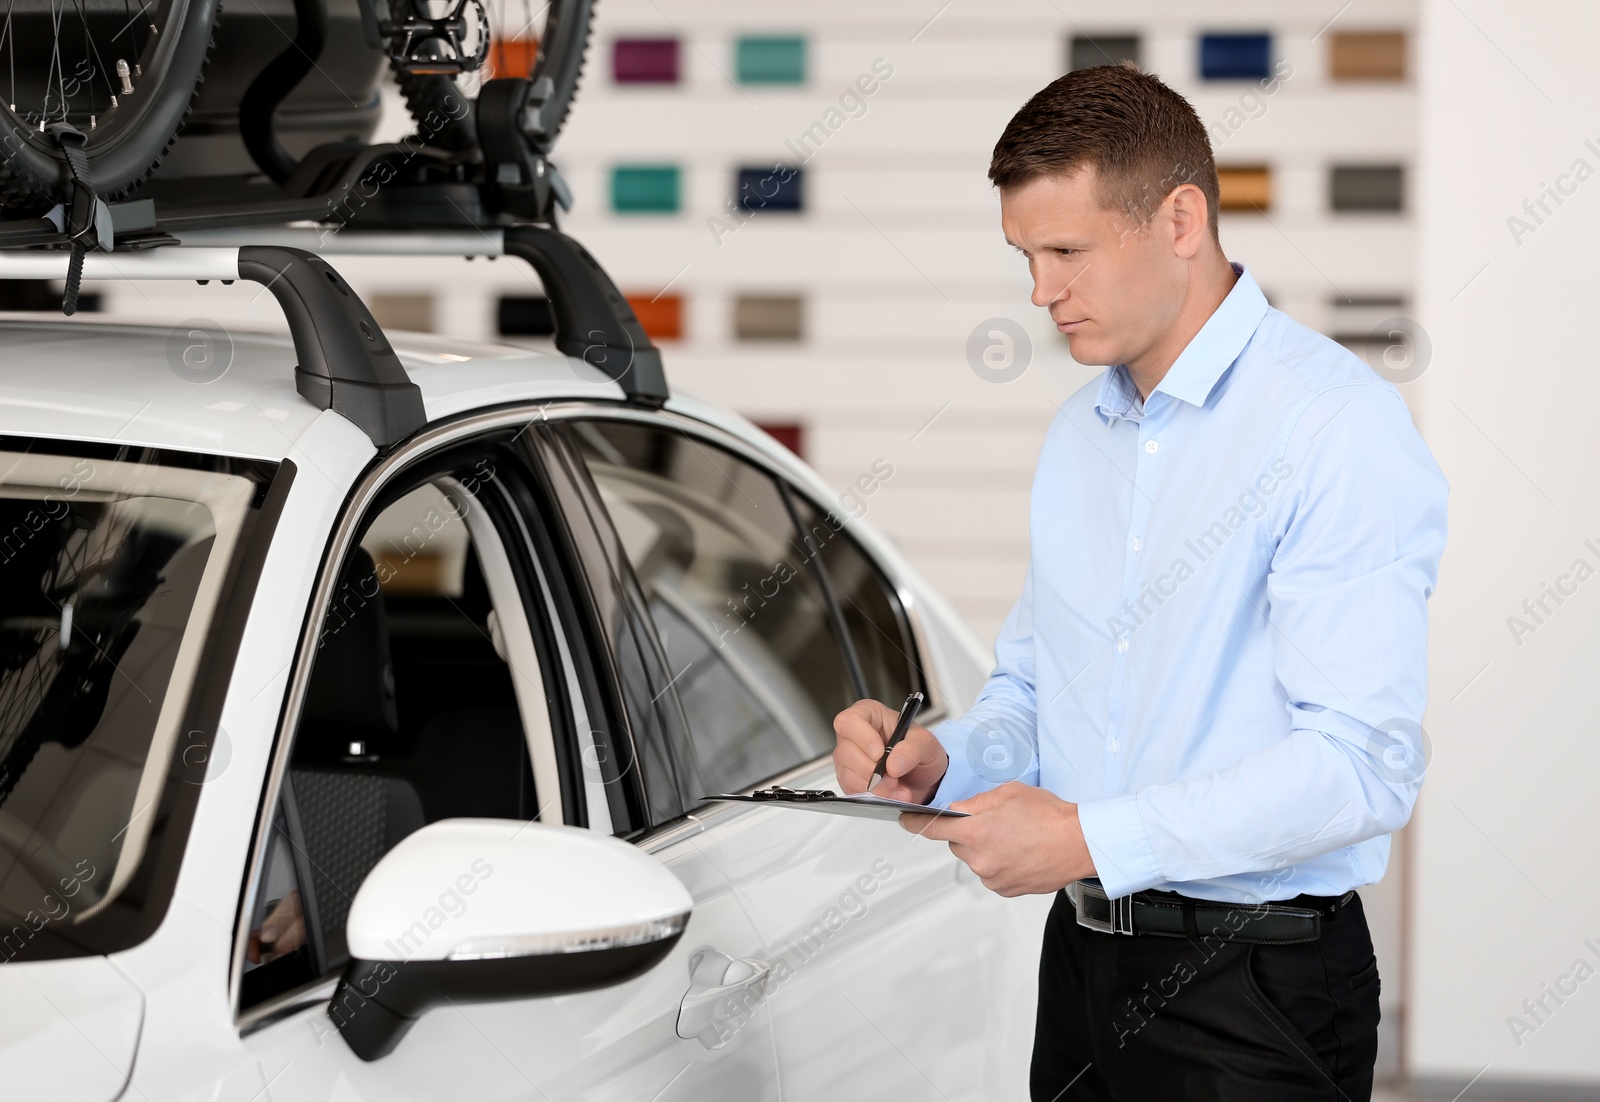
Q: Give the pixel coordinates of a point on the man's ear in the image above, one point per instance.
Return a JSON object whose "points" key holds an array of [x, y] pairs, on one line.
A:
{"points": [[1191, 226]]}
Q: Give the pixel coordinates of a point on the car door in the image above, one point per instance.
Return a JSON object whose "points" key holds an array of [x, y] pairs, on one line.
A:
{"points": [[894, 969], [453, 671]]}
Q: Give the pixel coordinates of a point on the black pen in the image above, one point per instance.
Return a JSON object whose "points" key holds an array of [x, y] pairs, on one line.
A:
{"points": [[908, 712]]}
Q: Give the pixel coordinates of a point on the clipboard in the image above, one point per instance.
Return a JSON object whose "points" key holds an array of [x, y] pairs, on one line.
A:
{"points": [[862, 805]]}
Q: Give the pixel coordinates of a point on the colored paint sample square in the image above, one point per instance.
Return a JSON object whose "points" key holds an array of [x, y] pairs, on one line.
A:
{"points": [[644, 61], [788, 433], [660, 315], [403, 311], [1084, 51], [770, 59], [1244, 188], [1235, 56], [645, 189], [512, 57], [1374, 188], [768, 318], [1367, 55], [524, 316], [779, 187]]}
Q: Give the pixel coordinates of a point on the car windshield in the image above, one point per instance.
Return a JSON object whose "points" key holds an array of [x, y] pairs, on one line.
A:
{"points": [[110, 572]]}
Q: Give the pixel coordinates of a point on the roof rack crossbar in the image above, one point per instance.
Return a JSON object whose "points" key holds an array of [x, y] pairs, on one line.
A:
{"points": [[342, 241], [344, 361], [163, 263]]}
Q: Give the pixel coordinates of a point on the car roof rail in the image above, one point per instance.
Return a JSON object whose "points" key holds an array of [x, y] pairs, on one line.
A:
{"points": [[343, 360]]}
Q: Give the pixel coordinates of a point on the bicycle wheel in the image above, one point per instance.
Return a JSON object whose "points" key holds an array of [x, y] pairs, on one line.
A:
{"points": [[123, 72], [443, 105]]}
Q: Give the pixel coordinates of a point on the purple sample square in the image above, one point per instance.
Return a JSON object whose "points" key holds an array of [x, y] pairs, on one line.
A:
{"points": [[645, 61]]}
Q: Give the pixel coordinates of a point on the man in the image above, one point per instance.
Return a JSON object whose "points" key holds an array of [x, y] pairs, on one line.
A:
{"points": [[1203, 722]]}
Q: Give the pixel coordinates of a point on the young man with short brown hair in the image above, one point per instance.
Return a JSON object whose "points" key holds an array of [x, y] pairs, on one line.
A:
{"points": [[1204, 719]]}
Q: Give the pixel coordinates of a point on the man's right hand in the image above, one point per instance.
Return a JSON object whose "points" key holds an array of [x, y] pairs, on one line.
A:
{"points": [[914, 769]]}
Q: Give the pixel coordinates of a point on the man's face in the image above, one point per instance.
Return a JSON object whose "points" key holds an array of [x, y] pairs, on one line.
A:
{"points": [[1110, 279]]}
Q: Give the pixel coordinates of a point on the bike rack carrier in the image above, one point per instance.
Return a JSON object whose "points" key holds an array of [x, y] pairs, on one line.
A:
{"points": [[344, 361]]}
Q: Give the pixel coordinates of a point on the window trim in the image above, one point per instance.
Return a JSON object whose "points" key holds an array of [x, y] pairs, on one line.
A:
{"points": [[522, 657], [623, 792]]}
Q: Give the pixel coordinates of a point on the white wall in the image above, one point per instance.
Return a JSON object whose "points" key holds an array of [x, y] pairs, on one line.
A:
{"points": [[1506, 893], [899, 254]]}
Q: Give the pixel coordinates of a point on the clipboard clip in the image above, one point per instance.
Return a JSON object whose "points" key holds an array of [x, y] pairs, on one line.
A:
{"points": [[778, 792]]}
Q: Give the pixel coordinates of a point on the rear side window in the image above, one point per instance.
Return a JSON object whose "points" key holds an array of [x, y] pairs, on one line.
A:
{"points": [[759, 634], [112, 572], [871, 611]]}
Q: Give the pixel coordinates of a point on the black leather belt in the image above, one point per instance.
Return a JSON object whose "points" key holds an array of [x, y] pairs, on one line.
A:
{"points": [[1169, 914]]}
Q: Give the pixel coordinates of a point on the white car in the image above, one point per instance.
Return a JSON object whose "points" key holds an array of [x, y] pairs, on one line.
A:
{"points": [[355, 724]]}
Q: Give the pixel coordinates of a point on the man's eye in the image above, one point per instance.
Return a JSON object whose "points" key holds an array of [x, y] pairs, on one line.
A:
{"points": [[1067, 252]]}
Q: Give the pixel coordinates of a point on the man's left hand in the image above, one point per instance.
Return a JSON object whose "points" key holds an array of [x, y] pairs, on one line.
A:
{"points": [[1019, 839]]}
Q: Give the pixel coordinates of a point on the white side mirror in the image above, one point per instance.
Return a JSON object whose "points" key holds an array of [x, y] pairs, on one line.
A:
{"points": [[475, 910]]}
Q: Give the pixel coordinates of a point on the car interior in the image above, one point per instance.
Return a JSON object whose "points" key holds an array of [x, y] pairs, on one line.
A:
{"points": [[410, 716]]}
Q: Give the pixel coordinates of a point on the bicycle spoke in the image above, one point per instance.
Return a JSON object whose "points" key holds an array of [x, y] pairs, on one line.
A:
{"points": [[99, 63], [11, 46]]}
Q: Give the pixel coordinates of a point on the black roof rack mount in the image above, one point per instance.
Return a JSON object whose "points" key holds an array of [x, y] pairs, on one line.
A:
{"points": [[592, 319], [343, 360]]}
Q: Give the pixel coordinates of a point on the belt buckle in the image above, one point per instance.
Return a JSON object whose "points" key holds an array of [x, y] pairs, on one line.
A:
{"points": [[1117, 913]]}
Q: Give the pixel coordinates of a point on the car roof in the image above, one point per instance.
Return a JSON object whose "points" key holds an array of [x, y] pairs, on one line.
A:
{"points": [[117, 380]]}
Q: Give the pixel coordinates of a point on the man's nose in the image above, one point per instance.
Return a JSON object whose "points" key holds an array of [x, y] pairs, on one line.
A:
{"points": [[1047, 288]]}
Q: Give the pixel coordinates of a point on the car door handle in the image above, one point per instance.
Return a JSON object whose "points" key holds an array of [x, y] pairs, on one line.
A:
{"points": [[713, 977]]}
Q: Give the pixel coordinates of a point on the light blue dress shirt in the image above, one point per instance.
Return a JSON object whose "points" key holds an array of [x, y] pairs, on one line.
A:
{"points": [[1220, 650]]}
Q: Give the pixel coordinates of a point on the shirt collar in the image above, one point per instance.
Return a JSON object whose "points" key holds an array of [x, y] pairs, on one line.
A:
{"points": [[1208, 354]]}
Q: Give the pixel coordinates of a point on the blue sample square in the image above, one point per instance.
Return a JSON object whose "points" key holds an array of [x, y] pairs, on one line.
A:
{"points": [[1235, 56], [775, 188]]}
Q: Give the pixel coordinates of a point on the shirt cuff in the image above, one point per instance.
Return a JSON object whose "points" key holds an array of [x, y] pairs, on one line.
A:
{"points": [[1124, 860], [959, 781]]}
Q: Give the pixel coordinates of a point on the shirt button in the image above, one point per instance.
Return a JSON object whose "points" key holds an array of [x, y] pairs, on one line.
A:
{"points": [[1138, 545], [1151, 446], [1122, 645], [1114, 745]]}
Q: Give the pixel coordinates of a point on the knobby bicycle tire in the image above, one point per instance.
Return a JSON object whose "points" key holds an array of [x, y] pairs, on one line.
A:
{"points": [[124, 149], [446, 119]]}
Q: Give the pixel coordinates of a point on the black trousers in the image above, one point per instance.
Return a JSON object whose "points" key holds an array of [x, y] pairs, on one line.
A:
{"points": [[1141, 1018]]}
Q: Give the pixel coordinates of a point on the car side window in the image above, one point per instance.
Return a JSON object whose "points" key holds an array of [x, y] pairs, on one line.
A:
{"points": [[413, 712], [749, 624], [278, 955], [874, 619]]}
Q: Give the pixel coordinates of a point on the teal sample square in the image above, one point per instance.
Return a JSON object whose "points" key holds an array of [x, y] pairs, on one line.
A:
{"points": [[771, 59], [645, 189]]}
